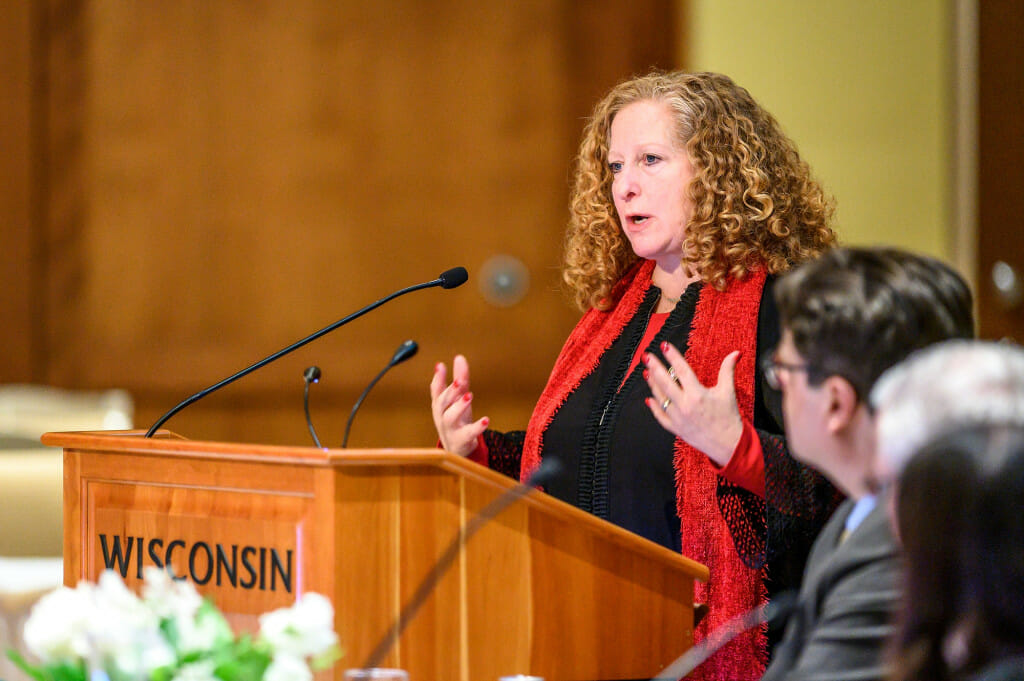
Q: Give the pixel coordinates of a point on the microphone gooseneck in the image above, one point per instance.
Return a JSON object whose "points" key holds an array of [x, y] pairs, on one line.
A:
{"points": [[404, 352], [448, 279], [776, 610], [550, 467], [310, 375]]}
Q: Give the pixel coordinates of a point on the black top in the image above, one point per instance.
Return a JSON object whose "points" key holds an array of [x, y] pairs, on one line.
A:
{"points": [[621, 467], [605, 432]]}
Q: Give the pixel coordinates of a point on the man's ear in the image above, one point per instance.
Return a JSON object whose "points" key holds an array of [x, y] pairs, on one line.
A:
{"points": [[841, 404]]}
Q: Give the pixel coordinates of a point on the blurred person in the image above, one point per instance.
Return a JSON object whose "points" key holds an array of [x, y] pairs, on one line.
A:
{"points": [[846, 318], [953, 382], [938, 390], [960, 520], [688, 199]]}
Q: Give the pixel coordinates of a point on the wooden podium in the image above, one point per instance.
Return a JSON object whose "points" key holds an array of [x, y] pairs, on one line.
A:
{"points": [[543, 589]]}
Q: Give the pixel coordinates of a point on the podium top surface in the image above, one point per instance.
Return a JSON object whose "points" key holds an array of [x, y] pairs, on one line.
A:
{"points": [[169, 444]]}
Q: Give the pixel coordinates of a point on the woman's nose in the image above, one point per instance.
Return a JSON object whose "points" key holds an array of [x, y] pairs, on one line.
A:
{"points": [[625, 186]]}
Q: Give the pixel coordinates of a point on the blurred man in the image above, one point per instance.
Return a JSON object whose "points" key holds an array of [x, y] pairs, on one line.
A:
{"points": [[944, 387], [846, 318]]}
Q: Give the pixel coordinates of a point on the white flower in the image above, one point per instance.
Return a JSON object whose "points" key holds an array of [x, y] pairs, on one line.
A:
{"points": [[196, 671], [204, 631], [198, 628], [125, 632], [117, 635], [137, 654], [102, 625], [304, 630], [285, 667], [58, 628], [155, 652], [170, 598]]}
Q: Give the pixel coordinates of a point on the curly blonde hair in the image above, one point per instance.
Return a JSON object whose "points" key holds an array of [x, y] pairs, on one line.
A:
{"points": [[754, 200]]}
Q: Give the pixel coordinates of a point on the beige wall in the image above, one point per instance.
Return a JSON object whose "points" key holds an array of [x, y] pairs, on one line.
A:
{"points": [[863, 88]]}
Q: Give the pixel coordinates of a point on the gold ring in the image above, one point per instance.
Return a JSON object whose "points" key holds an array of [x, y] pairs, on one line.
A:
{"points": [[672, 375], [664, 405]]}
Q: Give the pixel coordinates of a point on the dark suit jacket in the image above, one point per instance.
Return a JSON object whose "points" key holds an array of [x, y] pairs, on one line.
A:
{"points": [[848, 598], [1011, 669]]}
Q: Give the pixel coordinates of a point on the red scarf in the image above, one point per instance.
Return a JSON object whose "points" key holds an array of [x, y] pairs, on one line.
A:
{"points": [[723, 322]]}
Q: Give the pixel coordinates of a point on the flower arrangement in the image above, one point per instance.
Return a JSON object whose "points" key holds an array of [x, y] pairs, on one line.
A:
{"points": [[104, 632]]}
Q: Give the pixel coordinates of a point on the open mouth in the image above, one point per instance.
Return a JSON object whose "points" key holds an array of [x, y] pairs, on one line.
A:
{"points": [[638, 219]]}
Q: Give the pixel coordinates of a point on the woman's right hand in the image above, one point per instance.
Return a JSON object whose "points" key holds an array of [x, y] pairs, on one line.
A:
{"points": [[452, 408]]}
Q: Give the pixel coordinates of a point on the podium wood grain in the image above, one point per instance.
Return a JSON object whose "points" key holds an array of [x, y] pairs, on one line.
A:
{"points": [[544, 588]]}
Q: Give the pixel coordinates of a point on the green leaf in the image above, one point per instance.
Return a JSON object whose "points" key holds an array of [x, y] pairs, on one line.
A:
{"points": [[24, 666], [68, 672], [209, 616], [170, 631], [62, 671], [162, 674], [326, 659], [247, 665]]}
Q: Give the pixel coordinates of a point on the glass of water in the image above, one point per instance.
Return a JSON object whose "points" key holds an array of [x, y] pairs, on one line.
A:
{"points": [[376, 674]]}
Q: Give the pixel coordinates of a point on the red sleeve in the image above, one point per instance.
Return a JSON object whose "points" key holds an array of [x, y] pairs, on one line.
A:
{"points": [[480, 455], [746, 467]]}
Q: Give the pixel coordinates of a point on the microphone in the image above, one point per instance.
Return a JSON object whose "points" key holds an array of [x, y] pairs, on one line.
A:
{"points": [[404, 352], [776, 610], [549, 468], [456, 276], [311, 375]]}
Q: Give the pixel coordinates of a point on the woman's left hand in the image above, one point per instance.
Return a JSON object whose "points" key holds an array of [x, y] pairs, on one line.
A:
{"points": [[708, 419]]}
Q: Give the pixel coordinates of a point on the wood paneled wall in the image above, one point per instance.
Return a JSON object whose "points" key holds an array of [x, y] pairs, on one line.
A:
{"points": [[194, 185], [1000, 201], [20, 263]]}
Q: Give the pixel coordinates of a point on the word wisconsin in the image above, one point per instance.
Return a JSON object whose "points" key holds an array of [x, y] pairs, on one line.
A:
{"points": [[243, 567]]}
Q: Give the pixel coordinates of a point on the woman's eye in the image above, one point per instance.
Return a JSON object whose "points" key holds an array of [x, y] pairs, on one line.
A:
{"points": [[615, 166], [650, 159]]}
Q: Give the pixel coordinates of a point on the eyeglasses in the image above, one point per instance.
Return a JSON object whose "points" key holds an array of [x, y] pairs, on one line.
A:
{"points": [[771, 368]]}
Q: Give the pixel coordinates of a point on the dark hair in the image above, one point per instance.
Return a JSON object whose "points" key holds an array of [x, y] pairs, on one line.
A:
{"points": [[959, 516], [855, 312]]}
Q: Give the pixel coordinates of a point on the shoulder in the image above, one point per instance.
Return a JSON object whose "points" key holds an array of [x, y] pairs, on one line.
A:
{"points": [[826, 541], [863, 571], [1011, 669]]}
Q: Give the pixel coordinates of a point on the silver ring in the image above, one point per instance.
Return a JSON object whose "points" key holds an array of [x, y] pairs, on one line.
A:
{"points": [[672, 375], [666, 403]]}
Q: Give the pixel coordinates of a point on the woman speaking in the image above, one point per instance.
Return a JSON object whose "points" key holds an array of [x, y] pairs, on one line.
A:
{"points": [[687, 200]]}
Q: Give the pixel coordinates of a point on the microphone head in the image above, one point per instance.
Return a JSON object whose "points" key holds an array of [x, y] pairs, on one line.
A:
{"points": [[311, 374], [781, 606], [456, 276], [549, 469], [404, 352]]}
